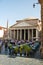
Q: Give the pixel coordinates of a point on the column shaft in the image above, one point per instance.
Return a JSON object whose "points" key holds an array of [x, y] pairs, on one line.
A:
{"points": [[20, 34], [36, 35], [32, 34], [14, 34], [24, 34], [17, 34], [28, 35]]}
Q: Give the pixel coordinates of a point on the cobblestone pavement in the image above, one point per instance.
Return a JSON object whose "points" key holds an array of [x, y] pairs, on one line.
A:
{"points": [[5, 59]]}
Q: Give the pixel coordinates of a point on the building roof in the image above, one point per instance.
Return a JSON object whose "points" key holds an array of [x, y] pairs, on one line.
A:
{"points": [[2, 27], [28, 19], [26, 22]]}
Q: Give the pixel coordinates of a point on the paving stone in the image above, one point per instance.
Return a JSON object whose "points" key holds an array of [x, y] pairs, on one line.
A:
{"points": [[6, 60]]}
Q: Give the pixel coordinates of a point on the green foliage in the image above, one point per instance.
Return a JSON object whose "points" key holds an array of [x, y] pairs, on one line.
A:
{"points": [[21, 48], [10, 45], [26, 48], [16, 50]]}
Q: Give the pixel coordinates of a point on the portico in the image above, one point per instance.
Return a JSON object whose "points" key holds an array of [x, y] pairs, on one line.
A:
{"points": [[22, 34], [24, 30]]}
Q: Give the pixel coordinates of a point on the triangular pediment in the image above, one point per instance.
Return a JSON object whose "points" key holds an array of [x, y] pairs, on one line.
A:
{"points": [[22, 24]]}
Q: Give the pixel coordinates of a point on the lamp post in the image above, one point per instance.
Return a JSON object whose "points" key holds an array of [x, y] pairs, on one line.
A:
{"points": [[41, 47], [34, 4]]}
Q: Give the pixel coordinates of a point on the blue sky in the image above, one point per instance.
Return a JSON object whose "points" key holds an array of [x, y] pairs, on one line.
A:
{"points": [[13, 10]]}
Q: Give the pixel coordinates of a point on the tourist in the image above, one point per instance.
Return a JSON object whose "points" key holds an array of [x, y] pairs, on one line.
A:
{"points": [[6, 45], [10, 48]]}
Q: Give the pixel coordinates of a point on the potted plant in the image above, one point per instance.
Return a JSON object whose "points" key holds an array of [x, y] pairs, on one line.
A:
{"points": [[27, 49], [24, 50], [20, 49], [16, 50]]}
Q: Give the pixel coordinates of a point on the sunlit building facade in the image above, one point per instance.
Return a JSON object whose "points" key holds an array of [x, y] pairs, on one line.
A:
{"points": [[26, 29], [2, 32]]}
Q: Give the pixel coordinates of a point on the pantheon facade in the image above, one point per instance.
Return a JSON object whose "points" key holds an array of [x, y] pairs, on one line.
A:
{"points": [[26, 29]]}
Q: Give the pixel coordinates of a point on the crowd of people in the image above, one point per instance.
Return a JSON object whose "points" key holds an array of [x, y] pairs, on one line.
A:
{"points": [[9, 43], [3, 43]]}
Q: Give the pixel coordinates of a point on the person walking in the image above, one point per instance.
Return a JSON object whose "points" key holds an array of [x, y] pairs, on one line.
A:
{"points": [[6, 45], [10, 48]]}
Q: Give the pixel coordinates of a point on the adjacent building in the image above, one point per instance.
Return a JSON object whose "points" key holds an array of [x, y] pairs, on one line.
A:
{"points": [[2, 32]]}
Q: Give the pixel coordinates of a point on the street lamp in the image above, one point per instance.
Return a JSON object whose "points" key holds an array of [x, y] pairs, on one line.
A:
{"points": [[35, 5]]}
